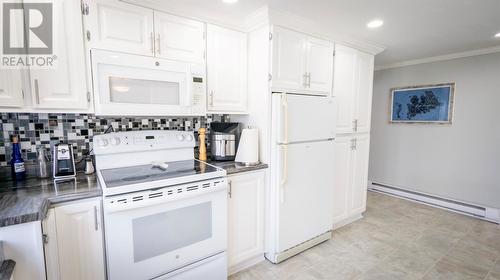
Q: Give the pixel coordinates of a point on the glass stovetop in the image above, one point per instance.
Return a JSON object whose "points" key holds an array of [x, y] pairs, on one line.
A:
{"points": [[116, 177]]}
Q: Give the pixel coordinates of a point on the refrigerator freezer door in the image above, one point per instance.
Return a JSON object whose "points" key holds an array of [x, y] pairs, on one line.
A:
{"points": [[302, 118], [306, 192]]}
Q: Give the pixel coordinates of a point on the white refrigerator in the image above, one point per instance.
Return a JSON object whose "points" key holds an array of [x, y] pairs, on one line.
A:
{"points": [[302, 165]]}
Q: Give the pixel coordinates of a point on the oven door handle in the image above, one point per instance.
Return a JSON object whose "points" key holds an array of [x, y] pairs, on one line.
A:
{"points": [[133, 201]]}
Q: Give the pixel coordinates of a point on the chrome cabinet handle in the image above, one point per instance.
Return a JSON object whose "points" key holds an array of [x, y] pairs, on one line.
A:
{"points": [[96, 223], [152, 38], [158, 48], [309, 80], [37, 92], [355, 125], [230, 193]]}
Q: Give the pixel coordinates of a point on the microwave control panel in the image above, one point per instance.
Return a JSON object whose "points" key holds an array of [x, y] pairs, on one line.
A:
{"points": [[198, 91]]}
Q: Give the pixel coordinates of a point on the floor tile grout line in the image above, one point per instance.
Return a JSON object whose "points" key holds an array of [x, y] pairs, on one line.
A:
{"points": [[497, 261]]}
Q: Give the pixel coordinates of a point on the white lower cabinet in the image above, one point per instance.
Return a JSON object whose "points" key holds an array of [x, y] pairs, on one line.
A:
{"points": [[351, 178], [246, 220], [74, 246]]}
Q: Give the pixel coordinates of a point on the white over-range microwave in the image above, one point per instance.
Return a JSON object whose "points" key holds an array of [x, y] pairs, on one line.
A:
{"points": [[135, 85]]}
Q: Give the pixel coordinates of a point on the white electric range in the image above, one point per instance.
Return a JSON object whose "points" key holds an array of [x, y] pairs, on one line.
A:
{"points": [[165, 213]]}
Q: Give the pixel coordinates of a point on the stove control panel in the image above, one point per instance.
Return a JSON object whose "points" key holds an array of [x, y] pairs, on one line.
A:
{"points": [[145, 140]]}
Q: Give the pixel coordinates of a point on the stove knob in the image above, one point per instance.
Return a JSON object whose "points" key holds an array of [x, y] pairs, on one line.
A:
{"points": [[189, 137], [102, 143], [115, 141], [180, 137]]}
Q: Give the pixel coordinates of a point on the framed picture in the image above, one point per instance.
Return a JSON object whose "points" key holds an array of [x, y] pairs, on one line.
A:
{"points": [[423, 104]]}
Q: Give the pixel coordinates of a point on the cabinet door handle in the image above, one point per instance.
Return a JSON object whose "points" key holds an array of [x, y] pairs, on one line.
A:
{"points": [[158, 47], [152, 38], [230, 189], [308, 80], [96, 222], [355, 125], [304, 84], [37, 92]]}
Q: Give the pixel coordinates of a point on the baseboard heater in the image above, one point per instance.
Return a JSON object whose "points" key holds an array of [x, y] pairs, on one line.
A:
{"points": [[485, 213]]}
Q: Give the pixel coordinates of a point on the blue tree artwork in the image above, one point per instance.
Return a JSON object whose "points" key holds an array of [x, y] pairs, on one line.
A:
{"points": [[422, 104]]}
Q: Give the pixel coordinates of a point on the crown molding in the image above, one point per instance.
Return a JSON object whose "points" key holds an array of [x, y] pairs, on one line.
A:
{"points": [[439, 58]]}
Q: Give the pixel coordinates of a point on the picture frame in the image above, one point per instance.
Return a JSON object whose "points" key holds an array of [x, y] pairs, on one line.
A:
{"points": [[425, 104]]}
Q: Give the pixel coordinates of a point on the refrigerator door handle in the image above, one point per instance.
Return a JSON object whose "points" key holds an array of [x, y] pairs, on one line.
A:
{"points": [[284, 105], [284, 172]]}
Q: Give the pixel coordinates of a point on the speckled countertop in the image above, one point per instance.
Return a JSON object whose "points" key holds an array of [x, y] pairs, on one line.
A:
{"points": [[231, 167], [29, 200]]}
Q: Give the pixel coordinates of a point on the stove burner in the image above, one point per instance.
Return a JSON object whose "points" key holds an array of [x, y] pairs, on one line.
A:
{"points": [[117, 177], [135, 178]]}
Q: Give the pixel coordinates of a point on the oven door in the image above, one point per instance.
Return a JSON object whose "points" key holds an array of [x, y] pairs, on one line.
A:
{"points": [[127, 84], [152, 233]]}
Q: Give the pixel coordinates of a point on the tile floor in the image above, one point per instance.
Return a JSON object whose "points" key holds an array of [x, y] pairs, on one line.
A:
{"points": [[397, 239]]}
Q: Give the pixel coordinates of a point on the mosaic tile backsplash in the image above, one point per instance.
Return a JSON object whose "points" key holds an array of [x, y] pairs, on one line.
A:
{"points": [[46, 130]]}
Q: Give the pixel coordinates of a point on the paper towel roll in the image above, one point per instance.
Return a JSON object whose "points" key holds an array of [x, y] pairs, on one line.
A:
{"points": [[248, 148]]}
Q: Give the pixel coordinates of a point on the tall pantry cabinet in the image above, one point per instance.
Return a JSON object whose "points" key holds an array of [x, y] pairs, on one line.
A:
{"points": [[353, 86]]}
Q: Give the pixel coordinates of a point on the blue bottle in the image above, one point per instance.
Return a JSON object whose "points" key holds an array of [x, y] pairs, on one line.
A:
{"points": [[17, 162]]}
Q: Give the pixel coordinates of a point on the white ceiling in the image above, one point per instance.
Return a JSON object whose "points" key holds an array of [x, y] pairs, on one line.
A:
{"points": [[413, 29]]}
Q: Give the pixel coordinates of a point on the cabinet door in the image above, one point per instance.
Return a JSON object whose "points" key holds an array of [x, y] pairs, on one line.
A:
{"points": [[320, 65], [115, 25], [65, 86], [289, 59], [364, 94], [80, 240], [345, 79], [11, 88], [343, 178], [246, 218], [226, 70], [360, 174], [179, 38]]}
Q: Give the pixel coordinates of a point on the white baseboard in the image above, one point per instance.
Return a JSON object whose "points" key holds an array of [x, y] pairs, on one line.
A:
{"points": [[478, 211], [347, 221], [245, 264]]}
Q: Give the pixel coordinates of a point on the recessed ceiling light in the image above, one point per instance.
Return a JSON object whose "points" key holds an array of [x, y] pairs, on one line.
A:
{"points": [[376, 23], [229, 1], [497, 35]]}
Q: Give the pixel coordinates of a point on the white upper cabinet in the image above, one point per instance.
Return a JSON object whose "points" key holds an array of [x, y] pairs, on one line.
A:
{"points": [[319, 65], [363, 103], [118, 26], [65, 86], [179, 38], [345, 87], [115, 25], [289, 55], [353, 86], [226, 70], [11, 88], [301, 63]]}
